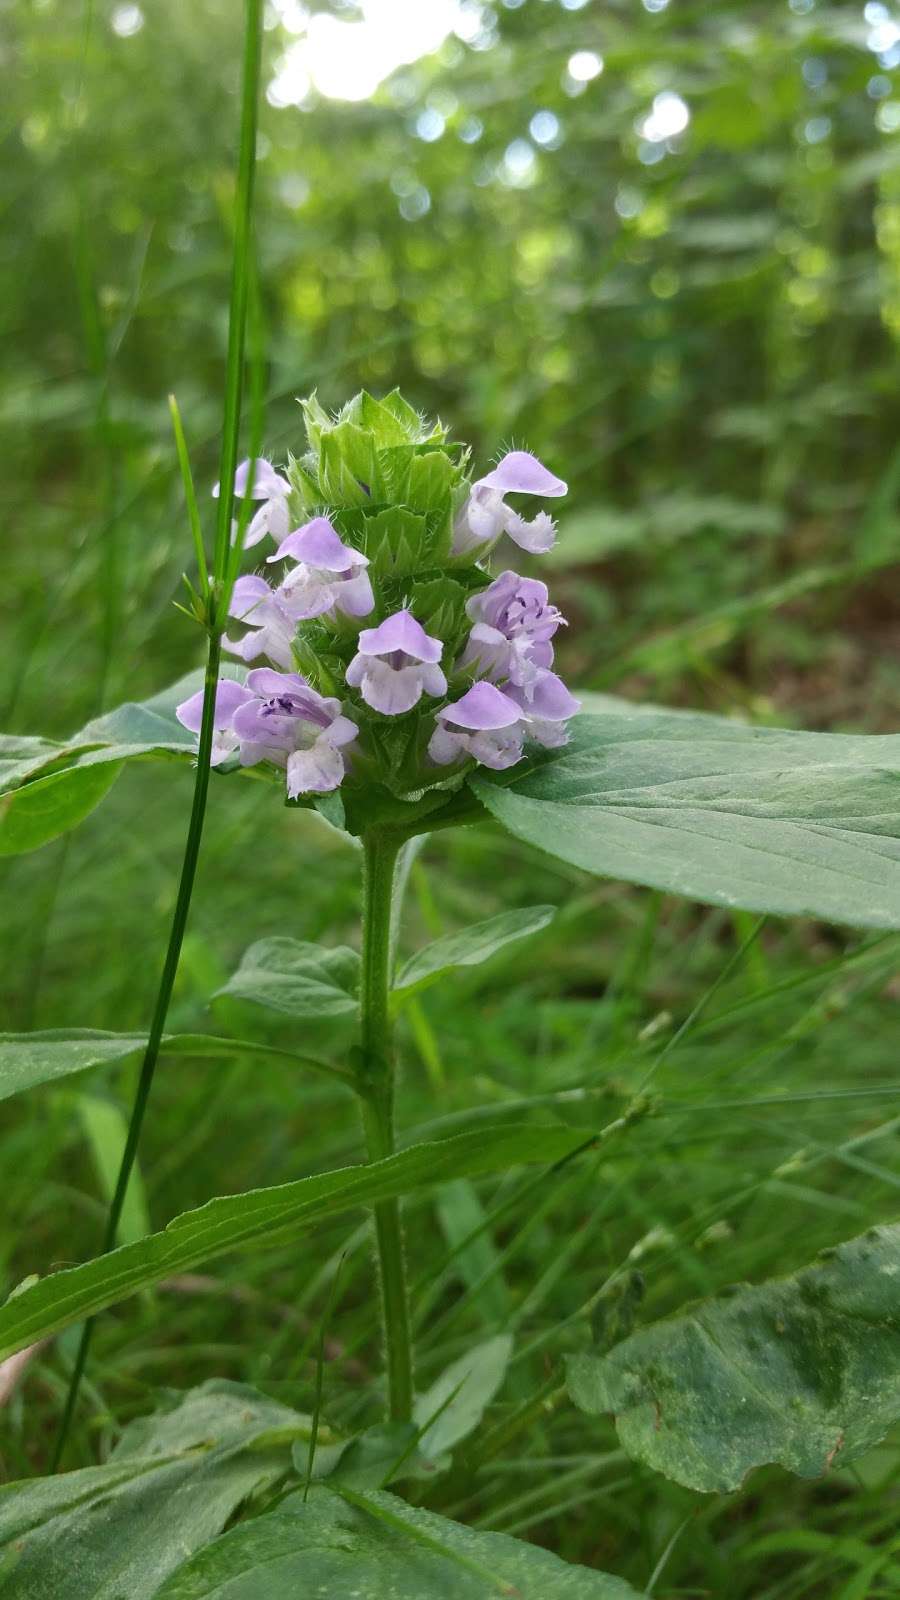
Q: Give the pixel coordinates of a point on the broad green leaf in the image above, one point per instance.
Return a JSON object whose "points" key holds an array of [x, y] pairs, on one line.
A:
{"points": [[29, 1059], [21, 754], [49, 788], [171, 1486], [106, 1130], [804, 1371], [788, 823], [146, 725], [455, 1404], [46, 807], [264, 1215], [470, 947], [376, 1548], [382, 1454], [302, 980]]}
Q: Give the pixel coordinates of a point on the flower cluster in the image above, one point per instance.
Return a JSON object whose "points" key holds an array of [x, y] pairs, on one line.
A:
{"points": [[390, 653]]}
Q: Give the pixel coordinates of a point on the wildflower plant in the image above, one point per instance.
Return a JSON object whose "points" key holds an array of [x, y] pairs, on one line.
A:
{"points": [[390, 668], [396, 664]]}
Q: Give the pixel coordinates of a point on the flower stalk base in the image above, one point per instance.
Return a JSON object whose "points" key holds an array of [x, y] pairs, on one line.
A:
{"points": [[376, 1086]]}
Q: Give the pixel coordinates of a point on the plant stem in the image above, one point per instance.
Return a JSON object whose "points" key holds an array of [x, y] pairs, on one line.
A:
{"points": [[377, 1097]]}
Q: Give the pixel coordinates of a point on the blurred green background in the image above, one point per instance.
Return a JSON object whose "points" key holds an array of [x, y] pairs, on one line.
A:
{"points": [[657, 243]]}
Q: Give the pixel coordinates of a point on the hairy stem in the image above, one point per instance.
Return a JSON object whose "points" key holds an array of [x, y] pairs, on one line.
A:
{"points": [[377, 1093]]}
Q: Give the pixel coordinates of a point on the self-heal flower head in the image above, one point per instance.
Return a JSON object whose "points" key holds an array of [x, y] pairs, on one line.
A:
{"points": [[513, 625], [547, 705], [395, 664], [486, 515], [329, 575], [272, 489], [268, 617], [229, 696], [378, 478], [484, 723]]}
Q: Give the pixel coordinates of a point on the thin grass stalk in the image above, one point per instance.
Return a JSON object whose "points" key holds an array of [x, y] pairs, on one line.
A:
{"points": [[216, 615]]}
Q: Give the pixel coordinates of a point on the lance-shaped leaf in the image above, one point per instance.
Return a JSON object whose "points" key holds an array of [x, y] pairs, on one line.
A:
{"points": [[266, 1216], [804, 1371], [788, 823], [302, 980], [376, 1547], [171, 1485], [471, 946], [30, 1059]]}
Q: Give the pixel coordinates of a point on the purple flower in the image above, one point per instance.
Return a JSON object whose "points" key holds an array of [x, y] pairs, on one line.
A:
{"points": [[546, 705], [491, 724], [395, 663], [513, 625], [277, 717], [486, 515], [229, 696], [272, 489], [485, 723], [329, 574], [268, 616]]}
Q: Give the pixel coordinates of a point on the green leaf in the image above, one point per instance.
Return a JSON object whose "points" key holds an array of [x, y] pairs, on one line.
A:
{"points": [[20, 754], [453, 1407], [171, 1485], [475, 1259], [29, 1059], [50, 788], [299, 979], [230, 1221], [377, 1547], [106, 1130], [763, 818], [380, 1455], [803, 1371], [470, 947], [46, 807]]}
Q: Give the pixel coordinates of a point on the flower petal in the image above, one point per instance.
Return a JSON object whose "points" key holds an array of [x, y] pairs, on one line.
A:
{"points": [[306, 593], [266, 481], [248, 594], [265, 682], [499, 749], [257, 527], [354, 596], [400, 632], [390, 690], [484, 706], [318, 544], [317, 770], [229, 695], [547, 698], [342, 731], [520, 472], [445, 746], [537, 536]]}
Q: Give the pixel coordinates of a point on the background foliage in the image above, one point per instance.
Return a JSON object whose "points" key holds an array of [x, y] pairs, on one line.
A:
{"points": [[700, 333]]}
